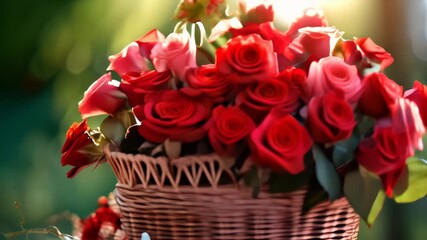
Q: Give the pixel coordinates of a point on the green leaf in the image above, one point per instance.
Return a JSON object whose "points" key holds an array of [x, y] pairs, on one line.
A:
{"points": [[364, 192], [251, 178], [344, 150], [285, 182], [115, 127], [326, 174], [314, 196], [417, 181]]}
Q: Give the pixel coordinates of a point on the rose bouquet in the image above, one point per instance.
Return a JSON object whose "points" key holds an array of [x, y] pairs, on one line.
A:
{"points": [[300, 108]]}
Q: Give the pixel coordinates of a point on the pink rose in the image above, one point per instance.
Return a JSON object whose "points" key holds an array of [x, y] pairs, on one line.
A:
{"points": [[177, 53], [76, 147], [418, 94], [406, 119], [332, 73], [174, 115], [137, 85], [378, 95], [247, 59], [375, 53], [132, 59], [312, 44], [384, 154], [280, 143], [207, 80], [259, 98], [230, 127], [330, 118], [102, 97], [311, 17]]}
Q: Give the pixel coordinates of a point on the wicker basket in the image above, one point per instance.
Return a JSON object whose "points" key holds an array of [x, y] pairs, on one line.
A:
{"points": [[186, 198]]}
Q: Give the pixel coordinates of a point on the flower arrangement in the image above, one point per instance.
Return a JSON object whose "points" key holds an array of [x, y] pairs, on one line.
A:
{"points": [[298, 108]]}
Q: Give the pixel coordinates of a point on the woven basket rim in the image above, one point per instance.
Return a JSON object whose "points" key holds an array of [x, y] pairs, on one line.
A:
{"points": [[202, 170]]}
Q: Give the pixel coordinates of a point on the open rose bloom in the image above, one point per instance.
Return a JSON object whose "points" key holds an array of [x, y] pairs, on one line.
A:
{"points": [[298, 102]]}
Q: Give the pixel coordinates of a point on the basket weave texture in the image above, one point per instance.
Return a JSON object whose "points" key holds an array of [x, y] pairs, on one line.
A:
{"points": [[194, 197]]}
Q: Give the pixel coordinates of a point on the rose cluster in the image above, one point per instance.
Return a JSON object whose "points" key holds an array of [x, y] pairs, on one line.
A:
{"points": [[276, 93]]}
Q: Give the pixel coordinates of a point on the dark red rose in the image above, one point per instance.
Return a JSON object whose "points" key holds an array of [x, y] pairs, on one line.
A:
{"points": [[137, 85], [379, 95], [418, 94], [258, 98], [247, 59], [330, 118], [174, 115], [375, 53], [79, 150], [230, 126], [207, 80], [280, 143], [384, 154]]}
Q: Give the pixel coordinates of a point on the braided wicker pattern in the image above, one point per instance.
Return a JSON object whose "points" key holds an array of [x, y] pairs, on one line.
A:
{"points": [[186, 199]]}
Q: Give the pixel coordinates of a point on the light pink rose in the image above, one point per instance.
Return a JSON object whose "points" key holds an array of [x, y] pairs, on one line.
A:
{"points": [[406, 119], [132, 59], [333, 73], [102, 97], [129, 60], [177, 53]]}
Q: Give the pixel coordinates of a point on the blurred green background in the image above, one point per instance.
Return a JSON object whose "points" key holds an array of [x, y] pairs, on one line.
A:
{"points": [[51, 51]]}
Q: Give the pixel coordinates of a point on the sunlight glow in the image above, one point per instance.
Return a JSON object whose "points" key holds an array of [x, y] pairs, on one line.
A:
{"points": [[288, 10]]}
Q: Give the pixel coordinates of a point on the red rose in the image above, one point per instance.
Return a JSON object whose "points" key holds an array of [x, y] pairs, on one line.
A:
{"points": [[280, 143], [384, 154], [229, 127], [206, 79], [247, 59], [418, 94], [102, 97], [312, 44], [379, 95], [79, 149], [311, 17], [131, 59], [258, 98], [296, 78], [102, 224], [332, 73], [266, 31], [137, 85], [330, 118], [174, 115], [375, 53], [350, 52]]}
